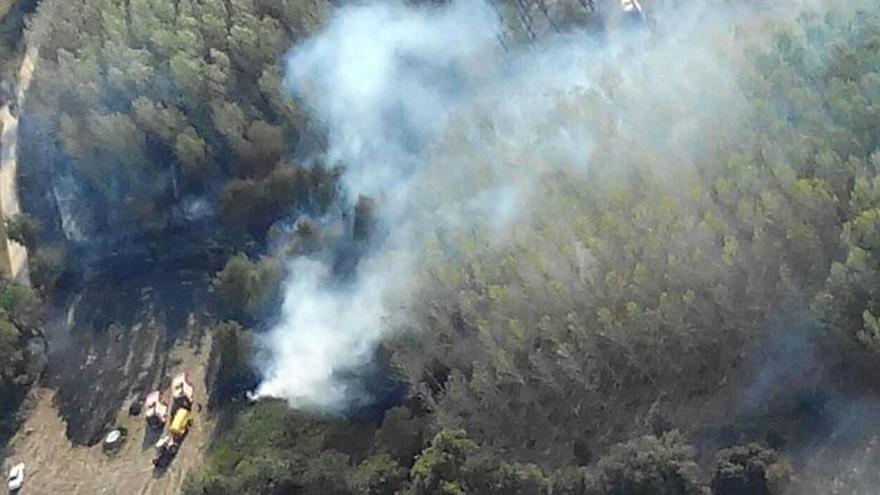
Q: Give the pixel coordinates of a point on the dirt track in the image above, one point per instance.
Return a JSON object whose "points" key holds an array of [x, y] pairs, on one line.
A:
{"points": [[9, 205], [55, 466]]}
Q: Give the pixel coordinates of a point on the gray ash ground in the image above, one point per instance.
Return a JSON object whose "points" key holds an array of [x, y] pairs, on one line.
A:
{"points": [[110, 340]]}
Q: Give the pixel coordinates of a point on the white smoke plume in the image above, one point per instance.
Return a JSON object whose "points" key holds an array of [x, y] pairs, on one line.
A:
{"points": [[432, 117]]}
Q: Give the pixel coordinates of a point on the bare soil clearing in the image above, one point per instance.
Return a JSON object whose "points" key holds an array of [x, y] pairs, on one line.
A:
{"points": [[55, 465]]}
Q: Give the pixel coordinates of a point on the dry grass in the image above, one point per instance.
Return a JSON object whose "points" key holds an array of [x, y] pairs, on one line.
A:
{"points": [[5, 5]]}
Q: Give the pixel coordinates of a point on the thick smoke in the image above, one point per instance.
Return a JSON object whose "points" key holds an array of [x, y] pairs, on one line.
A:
{"points": [[432, 117]]}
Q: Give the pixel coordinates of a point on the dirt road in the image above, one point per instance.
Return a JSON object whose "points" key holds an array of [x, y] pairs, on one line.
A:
{"points": [[55, 466], [16, 253]]}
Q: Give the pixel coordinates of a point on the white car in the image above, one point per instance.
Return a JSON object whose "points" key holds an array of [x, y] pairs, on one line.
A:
{"points": [[16, 477]]}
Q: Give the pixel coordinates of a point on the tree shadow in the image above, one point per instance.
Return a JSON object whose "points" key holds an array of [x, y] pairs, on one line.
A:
{"points": [[151, 436]]}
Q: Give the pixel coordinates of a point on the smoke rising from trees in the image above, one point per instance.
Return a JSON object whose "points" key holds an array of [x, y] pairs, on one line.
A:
{"points": [[429, 114]]}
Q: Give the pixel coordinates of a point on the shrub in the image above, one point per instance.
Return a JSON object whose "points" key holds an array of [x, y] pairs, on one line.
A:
{"points": [[379, 475], [23, 229], [518, 479], [328, 474], [750, 470], [574, 481], [650, 466], [247, 288], [47, 264], [439, 469], [400, 434]]}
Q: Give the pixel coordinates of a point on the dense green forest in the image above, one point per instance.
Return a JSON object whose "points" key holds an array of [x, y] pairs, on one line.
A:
{"points": [[154, 102], [615, 340], [570, 357]]}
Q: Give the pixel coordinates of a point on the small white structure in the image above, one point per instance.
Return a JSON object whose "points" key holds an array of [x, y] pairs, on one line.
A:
{"points": [[113, 437], [16, 477], [631, 6], [182, 391], [114, 440], [156, 410]]}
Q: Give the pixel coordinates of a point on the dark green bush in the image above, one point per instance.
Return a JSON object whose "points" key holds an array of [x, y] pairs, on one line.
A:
{"points": [[750, 470], [651, 466]]}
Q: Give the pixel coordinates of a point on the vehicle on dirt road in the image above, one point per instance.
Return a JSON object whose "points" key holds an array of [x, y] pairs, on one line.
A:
{"points": [[180, 424], [15, 478], [182, 392], [166, 449], [182, 400], [156, 410], [168, 446]]}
